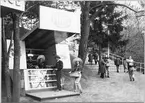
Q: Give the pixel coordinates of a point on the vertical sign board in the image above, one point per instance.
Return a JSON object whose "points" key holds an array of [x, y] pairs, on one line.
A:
{"points": [[23, 64], [59, 20], [13, 4], [63, 51]]}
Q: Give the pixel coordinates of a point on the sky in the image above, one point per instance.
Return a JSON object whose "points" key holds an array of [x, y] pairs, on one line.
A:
{"points": [[134, 3]]}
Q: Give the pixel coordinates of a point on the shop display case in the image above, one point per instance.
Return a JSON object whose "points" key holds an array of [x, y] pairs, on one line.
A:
{"points": [[38, 78], [41, 78]]}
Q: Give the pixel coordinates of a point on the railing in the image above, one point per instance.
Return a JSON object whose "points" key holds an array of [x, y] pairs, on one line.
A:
{"points": [[138, 65]]}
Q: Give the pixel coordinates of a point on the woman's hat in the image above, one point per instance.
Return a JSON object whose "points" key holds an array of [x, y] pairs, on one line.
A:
{"points": [[77, 59], [41, 57]]}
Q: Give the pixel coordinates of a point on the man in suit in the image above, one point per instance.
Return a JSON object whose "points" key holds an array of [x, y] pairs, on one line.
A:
{"points": [[117, 63], [59, 67]]}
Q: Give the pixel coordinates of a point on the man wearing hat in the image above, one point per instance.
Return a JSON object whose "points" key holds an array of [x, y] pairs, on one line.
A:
{"points": [[59, 66]]}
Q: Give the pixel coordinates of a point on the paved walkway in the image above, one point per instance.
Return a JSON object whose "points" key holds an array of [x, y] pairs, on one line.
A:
{"points": [[117, 88]]}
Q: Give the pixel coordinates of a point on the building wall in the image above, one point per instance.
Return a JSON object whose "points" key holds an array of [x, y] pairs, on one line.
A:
{"points": [[62, 49], [50, 55]]}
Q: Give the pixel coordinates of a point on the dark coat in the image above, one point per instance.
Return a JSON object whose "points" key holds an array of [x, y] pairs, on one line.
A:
{"points": [[95, 56], [103, 66], [59, 65], [90, 56], [117, 62]]}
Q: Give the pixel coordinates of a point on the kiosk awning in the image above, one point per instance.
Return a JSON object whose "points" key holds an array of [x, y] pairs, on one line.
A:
{"points": [[39, 38]]}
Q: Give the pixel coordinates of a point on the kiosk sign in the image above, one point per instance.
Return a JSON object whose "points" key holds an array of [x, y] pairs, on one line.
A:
{"points": [[59, 20], [13, 4]]}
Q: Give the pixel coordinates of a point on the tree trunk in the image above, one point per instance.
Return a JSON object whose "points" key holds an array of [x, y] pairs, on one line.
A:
{"points": [[85, 30], [100, 52], [6, 65], [16, 69]]}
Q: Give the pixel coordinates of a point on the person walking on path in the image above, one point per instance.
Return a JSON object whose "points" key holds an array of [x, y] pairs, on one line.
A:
{"points": [[125, 65], [103, 68], [130, 62], [107, 61], [117, 63], [59, 67], [77, 68], [95, 57], [90, 58]]}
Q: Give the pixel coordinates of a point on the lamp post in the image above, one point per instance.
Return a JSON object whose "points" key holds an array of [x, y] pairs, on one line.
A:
{"points": [[108, 45], [0, 58], [108, 41], [144, 47]]}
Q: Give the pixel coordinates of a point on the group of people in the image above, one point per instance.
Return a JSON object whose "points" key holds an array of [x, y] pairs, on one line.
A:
{"points": [[104, 67], [91, 57], [77, 67], [128, 65], [104, 71], [41, 63]]}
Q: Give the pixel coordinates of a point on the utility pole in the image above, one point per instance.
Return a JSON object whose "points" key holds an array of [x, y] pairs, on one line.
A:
{"points": [[108, 45], [108, 42], [144, 47], [0, 59]]}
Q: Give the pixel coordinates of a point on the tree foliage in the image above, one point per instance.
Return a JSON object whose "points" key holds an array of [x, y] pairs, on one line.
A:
{"points": [[107, 27], [134, 25]]}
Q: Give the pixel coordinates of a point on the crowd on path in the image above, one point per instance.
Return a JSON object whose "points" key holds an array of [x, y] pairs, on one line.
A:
{"points": [[91, 57], [128, 64]]}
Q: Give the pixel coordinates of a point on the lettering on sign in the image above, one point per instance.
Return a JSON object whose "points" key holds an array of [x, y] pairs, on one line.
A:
{"points": [[61, 20], [15, 4]]}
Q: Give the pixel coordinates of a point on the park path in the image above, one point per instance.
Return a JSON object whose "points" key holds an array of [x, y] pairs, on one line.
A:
{"points": [[117, 88]]}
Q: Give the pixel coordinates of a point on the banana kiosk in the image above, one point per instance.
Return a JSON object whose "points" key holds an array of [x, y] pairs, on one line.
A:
{"points": [[46, 39]]}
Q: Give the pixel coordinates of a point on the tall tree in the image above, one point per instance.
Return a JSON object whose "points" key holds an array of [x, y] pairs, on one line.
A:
{"points": [[5, 62], [134, 26], [16, 68], [88, 17], [11, 24], [106, 28]]}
